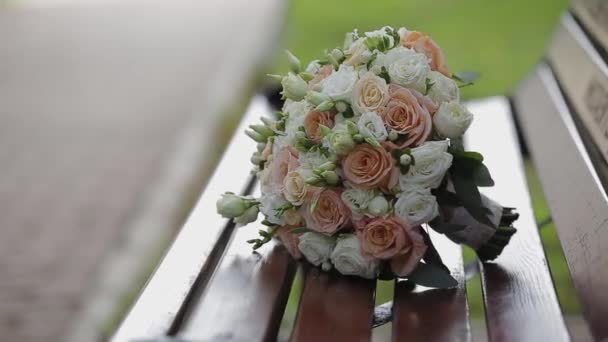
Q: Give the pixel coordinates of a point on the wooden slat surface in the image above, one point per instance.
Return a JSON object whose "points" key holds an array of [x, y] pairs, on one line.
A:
{"points": [[334, 308], [521, 304], [434, 314], [578, 203], [594, 15], [199, 244]]}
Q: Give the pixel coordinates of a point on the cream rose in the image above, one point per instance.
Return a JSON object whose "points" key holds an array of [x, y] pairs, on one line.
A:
{"points": [[348, 259], [370, 94], [312, 122], [371, 125], [326, 213], [368, 167], [295, 187], [452, 120], [416, 206], [316, 248], [340, 84], [405, 114], [424, 44], [444, 89], [431, 163], [395, 240]]}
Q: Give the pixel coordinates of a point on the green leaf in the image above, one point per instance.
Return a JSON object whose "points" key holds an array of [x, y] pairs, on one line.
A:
{"points": [[469, 195], [446, 198], [432, 276], [466, 76], [431, 256], [482, 176], [404, 169]]}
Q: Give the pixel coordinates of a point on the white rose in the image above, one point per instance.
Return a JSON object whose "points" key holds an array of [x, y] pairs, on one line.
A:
{"points": [[297, 111], [295, 187], [408, 68], [370, 94], [340, 84], [431, 161], [269, 203], [294, 87], [444, 89], [312, 160], [382, 34], [371, 125], [357, 199], [378, 206], [348, 260], [417, 206], [316, 247], [452, 120]]}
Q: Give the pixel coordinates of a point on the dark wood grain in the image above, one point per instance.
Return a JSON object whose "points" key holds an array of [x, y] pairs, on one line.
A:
{"points": [[198, 246], [434, 314], [520, 299], [334, 308], [247, 297], [578, 203]]}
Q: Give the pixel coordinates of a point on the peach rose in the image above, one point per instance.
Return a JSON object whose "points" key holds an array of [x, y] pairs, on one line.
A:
{"points": [[326, 213], [422, 43], [289, 240], [392, 239], [312, 122], [406, 114], [284, 161], [369, 167], [322, 74]]}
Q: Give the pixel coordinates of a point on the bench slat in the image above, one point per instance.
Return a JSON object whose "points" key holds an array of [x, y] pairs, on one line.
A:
{"points": [[247, 297], [434, 314], [578, 203], [334, 308], [199, 244], [520, 299], [594, 15]]}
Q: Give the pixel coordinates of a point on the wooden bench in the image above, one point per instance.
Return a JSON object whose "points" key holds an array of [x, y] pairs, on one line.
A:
{"points": [[211, 287]]}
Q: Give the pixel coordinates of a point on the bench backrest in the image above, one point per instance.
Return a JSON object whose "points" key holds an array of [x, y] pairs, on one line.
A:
{"points": [[211, 287]]}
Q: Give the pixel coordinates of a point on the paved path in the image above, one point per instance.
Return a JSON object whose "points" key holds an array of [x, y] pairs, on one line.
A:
{"points": [[94, 102]]}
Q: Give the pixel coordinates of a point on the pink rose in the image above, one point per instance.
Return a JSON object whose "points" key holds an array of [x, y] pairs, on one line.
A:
{"points": [[392, 239], [312, 122], [369, 167], [422, 43], [408, 112], [289, 240], [285, 160], [326, 213], [322, 74]]}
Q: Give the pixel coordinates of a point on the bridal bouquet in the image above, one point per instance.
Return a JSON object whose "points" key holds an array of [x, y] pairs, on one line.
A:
{"points": [[365, 156]]}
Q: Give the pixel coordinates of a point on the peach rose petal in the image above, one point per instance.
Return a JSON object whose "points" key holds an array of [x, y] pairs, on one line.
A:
{"points": [[312, 122], [422, 43], [289, 240], [283, 162], [368, 167], [405, 114], [323, 73], [326, 213]]}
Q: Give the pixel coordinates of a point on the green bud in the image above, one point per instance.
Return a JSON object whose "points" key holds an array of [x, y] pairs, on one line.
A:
{"points": [[325, 106], [333, 60], [294, 62], [342, 143], [337, 54], [325, 130], [405, 159], [326, 266], [328, 166], [331, 177], [378, 206], [250, 215], [372, 141], [256, 136], [231, 205], [306, 76], [352, 127], [267, 121], [261, 146], [358, 138], [294, 87], [313, 180], [393, 135], [262, 130], [341, 106], [256, 158], [274, 77], [316, 98]]}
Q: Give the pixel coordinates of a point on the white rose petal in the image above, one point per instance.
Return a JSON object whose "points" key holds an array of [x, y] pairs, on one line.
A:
{"points": [[410, 72], [269, 202], [316, 247], [452, 120], [348, 260], [444, 89], [431, 161], [417, 206], [357, 200], [340, 84], [371, 125]]}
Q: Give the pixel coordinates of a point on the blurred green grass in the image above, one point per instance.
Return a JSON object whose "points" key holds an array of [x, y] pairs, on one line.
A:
{"points": [[502, 40]]}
